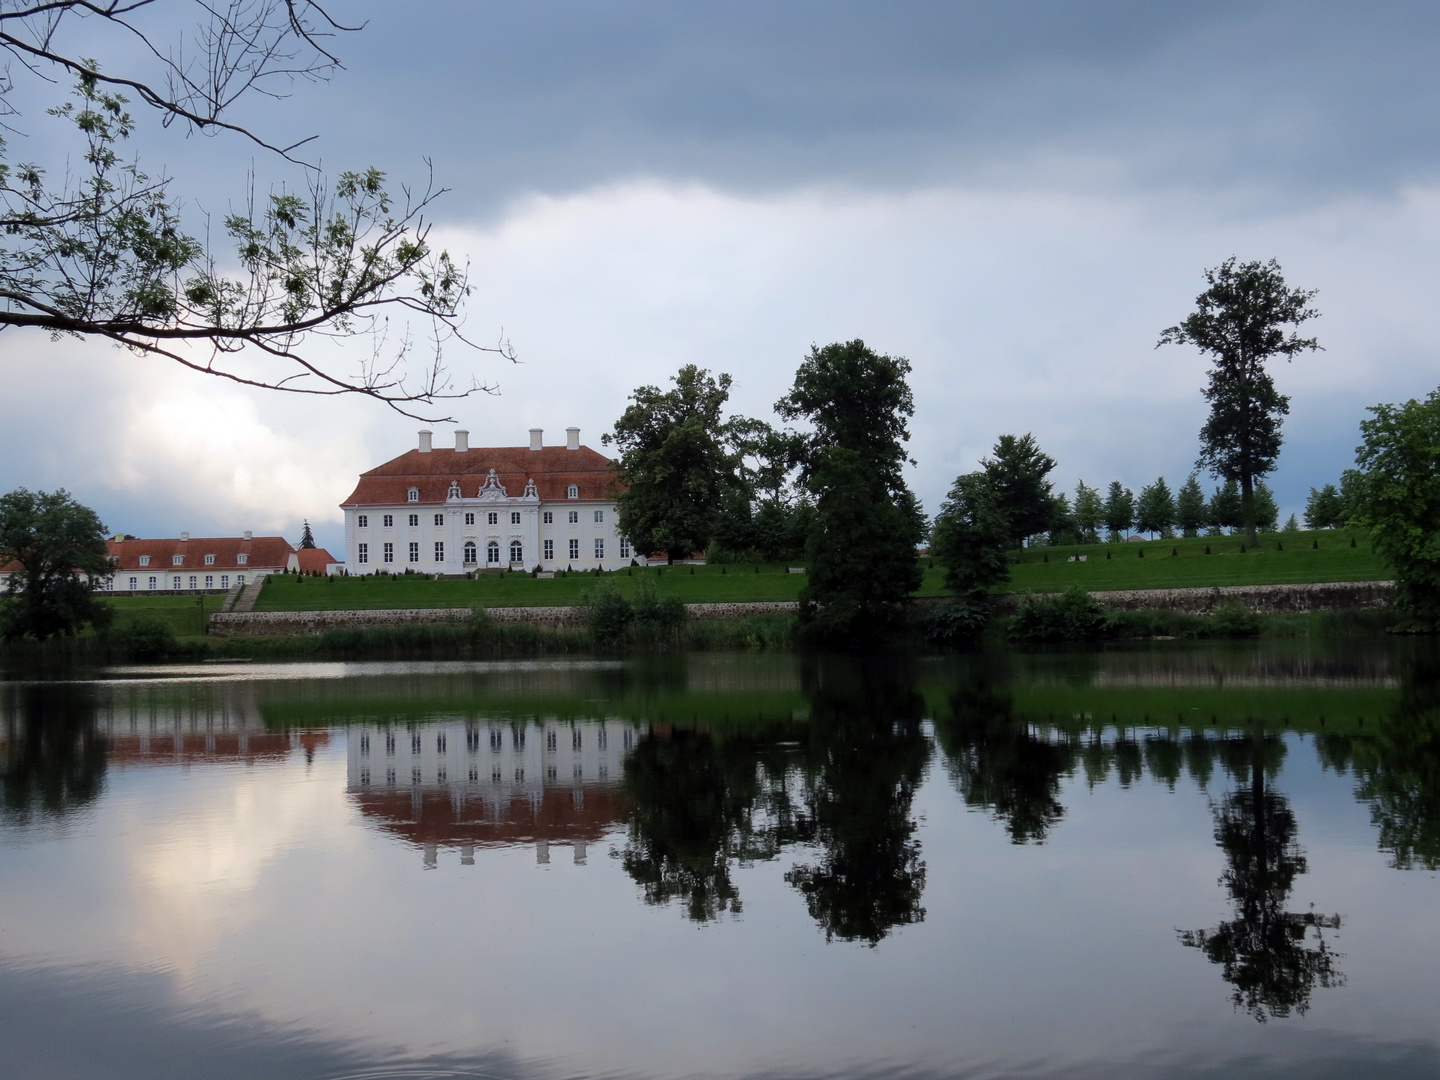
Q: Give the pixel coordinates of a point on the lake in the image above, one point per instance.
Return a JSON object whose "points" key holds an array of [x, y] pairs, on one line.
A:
{"points": [[1173, 860]]}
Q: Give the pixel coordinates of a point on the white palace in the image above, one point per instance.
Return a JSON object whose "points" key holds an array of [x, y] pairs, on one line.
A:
{"points": [[455, 511]]}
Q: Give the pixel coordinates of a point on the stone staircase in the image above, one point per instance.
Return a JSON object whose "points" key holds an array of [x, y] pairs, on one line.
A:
{"points": [[228, 604], [248, 595]]}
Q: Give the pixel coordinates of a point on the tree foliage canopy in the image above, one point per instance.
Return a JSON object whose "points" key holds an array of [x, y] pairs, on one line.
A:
{"points": [[95, 246], [1155, 512], [1017, 473], [971, 536], [1396, 492], [678, 460], [1119, 508], [1190, 507], [60, 546], [1245, 317]]}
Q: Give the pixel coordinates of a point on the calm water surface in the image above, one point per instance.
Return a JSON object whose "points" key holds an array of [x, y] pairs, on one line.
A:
{"points": [[1158, 862]]}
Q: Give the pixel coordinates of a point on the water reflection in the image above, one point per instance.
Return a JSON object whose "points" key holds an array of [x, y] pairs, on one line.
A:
{"points": [[54, 760]]}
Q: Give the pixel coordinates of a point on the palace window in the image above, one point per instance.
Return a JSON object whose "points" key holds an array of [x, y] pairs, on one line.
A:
{"points": [[572, 492], [439, 519], [177, 560], [492, 518], [549, 550], [414, 521], [574, 549], [414, 552], [439, 550], [413, 495], [517, 552], [242, 559], [388, 521], [362, 553], [515, 518], [549, 518], [363, 521], [624, 547], [492, 553], [599, 548], [469, 519], [599, 516], [209, 560], [144, 560], [388, 553], [469, 552], [209, 581], [574, 517]]}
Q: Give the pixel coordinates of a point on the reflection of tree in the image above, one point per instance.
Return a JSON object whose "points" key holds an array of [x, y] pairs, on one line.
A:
{"points": [[867, 758], [1268, 954], [998, 763], [843, 782], [1397, 766], [54, 759]]}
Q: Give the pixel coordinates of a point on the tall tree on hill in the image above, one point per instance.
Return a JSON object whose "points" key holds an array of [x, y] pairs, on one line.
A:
{"points": [[1119, 509], [1240, 321], [1088, 512], [1017, 474], [1155, 512], [95, 247], [1190, 507], [307, 538], [60, 546], [861, 557], [677, 462], [1267, 510], [970, 538], [1324, 508], [1224, 510]]}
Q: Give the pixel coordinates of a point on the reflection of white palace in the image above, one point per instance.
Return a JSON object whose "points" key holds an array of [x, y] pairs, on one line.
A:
{"points": [[489, 783]]}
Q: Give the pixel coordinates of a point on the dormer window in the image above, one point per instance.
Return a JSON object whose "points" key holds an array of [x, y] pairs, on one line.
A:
{"points": [[242, 559], [177, 560], [144, 560], [209, 560], [413, 495], [573, 491]]}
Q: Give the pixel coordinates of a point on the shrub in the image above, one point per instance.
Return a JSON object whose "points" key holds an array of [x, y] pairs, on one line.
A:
{"points": [[606, 614], [1232, 621], [1073, 615], [655, 615], [957, 622], [147, 638]]}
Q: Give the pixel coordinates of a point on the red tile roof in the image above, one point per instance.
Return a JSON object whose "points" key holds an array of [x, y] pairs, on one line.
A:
{"points": [[264, 553], [315, 560], [553, 469]]}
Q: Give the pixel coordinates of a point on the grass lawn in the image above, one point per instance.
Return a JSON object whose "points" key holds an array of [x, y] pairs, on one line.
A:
{"points": [[1300, 562], [181, 613]]}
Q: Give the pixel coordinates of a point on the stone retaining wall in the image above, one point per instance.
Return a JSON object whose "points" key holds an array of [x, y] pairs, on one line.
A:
{"points": [[1264, 598]]}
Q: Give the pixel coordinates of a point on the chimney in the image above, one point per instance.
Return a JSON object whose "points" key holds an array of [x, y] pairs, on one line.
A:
{"points": [[184, 537], [572, 438], [462, 441], [536, 437], [425, 441], [247, 534]]}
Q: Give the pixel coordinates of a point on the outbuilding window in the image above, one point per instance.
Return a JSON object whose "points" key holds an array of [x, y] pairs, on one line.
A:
{"points": [[572, 492], [242, 559], [209, 560], [413, 495], [362, 553], [144, 560]]}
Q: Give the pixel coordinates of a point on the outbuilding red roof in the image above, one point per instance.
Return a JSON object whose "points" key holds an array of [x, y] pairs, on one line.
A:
{"points": [[315, 560], [553, 468], [262, 553]]}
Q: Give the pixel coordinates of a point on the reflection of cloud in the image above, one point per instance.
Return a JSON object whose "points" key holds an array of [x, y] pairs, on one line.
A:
{"points": [[194, 880]]}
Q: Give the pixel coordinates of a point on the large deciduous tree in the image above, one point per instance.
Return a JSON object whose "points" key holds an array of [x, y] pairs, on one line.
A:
{"points": [[970, 538], [1088, 513], [1017, 473], [1324, 509], [59, 547], [1155, 511], [94, 246], [1395, 492], [1119, 509], [1241, 322], [861, 555], [677, 462], [1190, 512]]}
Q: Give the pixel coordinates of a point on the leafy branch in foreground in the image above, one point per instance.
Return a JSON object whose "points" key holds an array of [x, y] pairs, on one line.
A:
{"points": [[102, 252]]}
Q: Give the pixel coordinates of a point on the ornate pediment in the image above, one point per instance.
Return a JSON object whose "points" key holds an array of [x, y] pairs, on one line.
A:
{"points": [[492, 490], [531, 492]]}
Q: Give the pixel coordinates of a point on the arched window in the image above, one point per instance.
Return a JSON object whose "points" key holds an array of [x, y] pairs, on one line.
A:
{"points": [[573, 491], [413, 495], [469, 552], [517, 552], [492, 553]]}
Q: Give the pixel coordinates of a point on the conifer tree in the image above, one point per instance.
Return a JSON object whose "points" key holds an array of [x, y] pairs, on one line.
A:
{"points": [[1087, 513], [1119, 509], [1155, 512], [1190, 507]]}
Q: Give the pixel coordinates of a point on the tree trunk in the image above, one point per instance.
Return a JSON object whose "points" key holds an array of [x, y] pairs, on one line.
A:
{"points": [[1247, 508]]}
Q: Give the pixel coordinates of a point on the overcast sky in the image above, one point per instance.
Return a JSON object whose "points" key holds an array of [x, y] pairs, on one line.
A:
{"points": [[1017, 197]]}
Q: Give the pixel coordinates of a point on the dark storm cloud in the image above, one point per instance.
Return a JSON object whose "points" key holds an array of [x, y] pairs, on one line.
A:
{"points": [[1271, 100]]}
